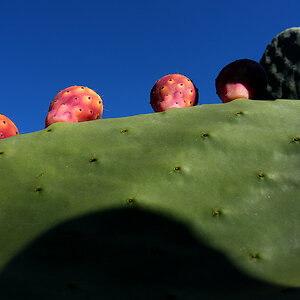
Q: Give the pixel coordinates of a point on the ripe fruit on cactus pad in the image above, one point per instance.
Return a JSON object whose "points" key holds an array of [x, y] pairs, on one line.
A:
{"points": [[173, 91], [243, 78], [7, 127], [75, 104]]}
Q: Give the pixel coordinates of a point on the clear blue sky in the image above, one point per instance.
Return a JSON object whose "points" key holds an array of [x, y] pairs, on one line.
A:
{"points": [[120, 48]]}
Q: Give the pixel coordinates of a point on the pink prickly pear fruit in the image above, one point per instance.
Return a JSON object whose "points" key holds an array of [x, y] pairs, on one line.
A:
{"points": [[243, 78], [173, 91], [7, 127], [75, 104]]}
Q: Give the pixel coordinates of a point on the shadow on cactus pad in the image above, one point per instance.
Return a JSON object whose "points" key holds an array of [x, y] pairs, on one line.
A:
{"points": [[127, 254]]}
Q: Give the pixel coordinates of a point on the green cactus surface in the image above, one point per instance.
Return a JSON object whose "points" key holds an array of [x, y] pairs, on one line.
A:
{"points": [[281, 60], [183, 204]]}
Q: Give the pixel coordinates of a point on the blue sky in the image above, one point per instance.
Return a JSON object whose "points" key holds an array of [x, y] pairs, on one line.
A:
{"points": [[120, 48]]}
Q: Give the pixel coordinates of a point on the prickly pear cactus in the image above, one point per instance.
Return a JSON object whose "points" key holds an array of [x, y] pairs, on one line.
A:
{"points": [[191, 203], [281, 60]]}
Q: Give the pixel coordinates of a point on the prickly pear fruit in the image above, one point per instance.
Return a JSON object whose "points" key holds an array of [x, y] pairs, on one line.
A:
{"points": [[7, 127], [173, 91], [243, 78], [281, 60], [75, 104]]}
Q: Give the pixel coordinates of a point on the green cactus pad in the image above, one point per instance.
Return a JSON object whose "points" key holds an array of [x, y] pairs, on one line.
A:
{"points": [[189, 203], [281, 60]]}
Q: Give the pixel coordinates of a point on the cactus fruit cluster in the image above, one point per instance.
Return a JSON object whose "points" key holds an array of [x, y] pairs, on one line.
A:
{"points": [[281, 60], [155, 206], [75, 104], [173, 91]]}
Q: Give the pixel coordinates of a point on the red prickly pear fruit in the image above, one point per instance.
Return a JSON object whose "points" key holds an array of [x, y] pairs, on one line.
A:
{"points": [[7, 127], [243, 78], [75, 104], [173, 91]]}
